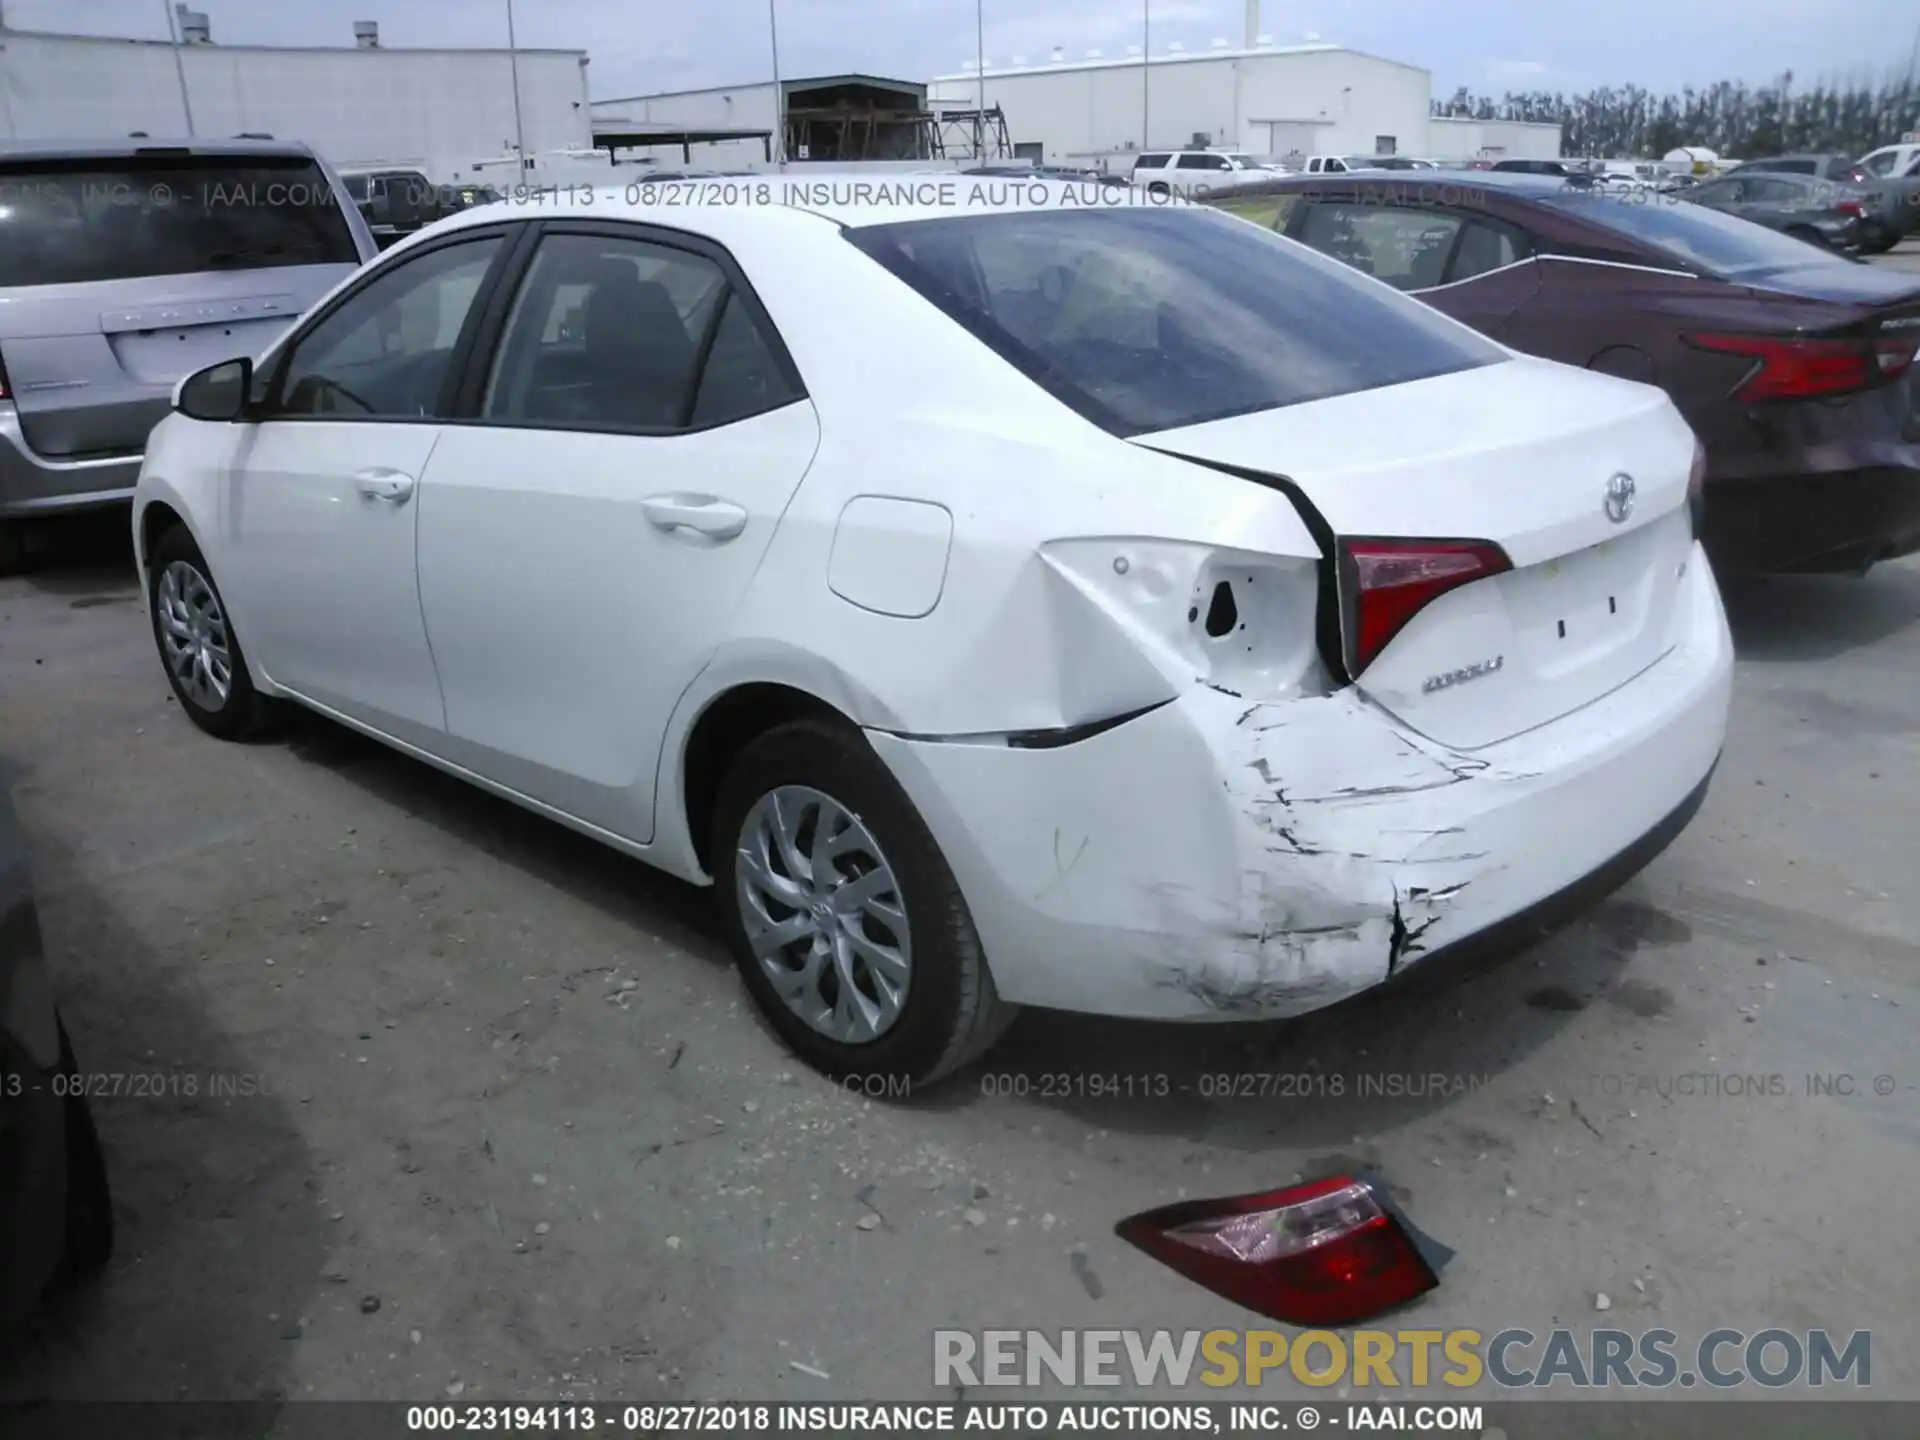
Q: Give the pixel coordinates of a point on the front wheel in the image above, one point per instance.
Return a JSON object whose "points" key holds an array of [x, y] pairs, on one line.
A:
{"points": [[848, 928], [197, 645]]}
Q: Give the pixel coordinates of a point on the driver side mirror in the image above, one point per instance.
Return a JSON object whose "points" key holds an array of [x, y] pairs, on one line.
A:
{"points": [[219, 392]]}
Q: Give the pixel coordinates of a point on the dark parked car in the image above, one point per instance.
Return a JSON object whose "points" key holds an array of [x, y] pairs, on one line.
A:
{"points": [[1793, 365], [1895, 213], [1820, 212], [394, 203], [56, 1222]]}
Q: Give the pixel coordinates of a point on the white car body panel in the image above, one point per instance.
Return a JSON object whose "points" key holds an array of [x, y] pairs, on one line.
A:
{"points": [[543, 555], [300, 539], [945, 554]]}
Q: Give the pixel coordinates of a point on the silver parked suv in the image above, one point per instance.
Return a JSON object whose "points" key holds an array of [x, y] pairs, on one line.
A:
{"points": [[126, 265]]}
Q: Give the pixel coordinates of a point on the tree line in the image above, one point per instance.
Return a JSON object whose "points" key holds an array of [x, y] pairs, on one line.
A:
{"points": [[1731, 118]]}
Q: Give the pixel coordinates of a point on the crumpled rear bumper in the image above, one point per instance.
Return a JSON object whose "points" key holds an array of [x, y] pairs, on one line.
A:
{"points": [[1221, 859]]}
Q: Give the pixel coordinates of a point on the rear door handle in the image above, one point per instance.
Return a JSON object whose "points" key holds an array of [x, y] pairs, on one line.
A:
{"points": [[380, 483], [704, 514]]}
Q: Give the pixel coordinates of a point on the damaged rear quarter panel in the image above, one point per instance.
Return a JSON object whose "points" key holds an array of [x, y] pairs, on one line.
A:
{"points": [[1214, 859]]}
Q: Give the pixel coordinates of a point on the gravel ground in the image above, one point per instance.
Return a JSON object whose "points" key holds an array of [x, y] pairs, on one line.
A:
{"points": [[480, 1109]]}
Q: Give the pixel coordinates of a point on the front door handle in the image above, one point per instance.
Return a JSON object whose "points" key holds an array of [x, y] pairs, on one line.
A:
{"points": [[703, 514], [380, 483]]}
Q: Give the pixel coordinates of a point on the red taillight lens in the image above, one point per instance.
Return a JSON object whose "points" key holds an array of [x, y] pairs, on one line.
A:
{"points": [[1789, 369], [1850, 207], [1324, 1254], [1385, 583]]}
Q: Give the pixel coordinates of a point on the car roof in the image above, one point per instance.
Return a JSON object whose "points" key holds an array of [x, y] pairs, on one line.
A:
{"points": [[133, 146]]}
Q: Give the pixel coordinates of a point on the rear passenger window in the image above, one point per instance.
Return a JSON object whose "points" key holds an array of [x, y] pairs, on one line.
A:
{"points": [[742, 378], [1150, 162], [72, 222], [1406, 247], [610, 334], [1484, 247]]}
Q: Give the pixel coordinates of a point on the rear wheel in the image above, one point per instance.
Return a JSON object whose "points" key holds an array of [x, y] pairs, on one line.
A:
{"points": [[197, 644], [846, 924]]}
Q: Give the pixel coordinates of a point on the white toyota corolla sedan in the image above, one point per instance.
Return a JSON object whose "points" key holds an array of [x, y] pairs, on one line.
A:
{"points": [[1001, 599]]}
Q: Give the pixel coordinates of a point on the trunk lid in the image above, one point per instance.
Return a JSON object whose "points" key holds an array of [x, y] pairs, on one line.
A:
{"points": [[1841, 283], [1520, 454], [93, 367]]}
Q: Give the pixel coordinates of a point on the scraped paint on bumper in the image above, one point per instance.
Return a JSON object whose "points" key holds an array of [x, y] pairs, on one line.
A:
{"points": [[1222, 859]]}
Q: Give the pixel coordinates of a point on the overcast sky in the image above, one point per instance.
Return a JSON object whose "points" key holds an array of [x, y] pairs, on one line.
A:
{"points": [[638, 46]]}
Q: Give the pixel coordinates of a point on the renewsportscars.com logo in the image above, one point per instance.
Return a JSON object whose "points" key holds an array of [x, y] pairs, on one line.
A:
{"points": [[1391, 1359]]}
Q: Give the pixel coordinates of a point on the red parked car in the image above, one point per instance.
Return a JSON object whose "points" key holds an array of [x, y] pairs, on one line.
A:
{"points": [[1793, 365]]}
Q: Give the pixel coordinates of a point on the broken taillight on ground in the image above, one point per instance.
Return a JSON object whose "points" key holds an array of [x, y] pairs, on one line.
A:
{"points": [[1332, 1252]]}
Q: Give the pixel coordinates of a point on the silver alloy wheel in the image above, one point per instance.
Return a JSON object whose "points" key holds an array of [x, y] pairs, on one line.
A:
{"points": [[823, 914], [193, 632]]}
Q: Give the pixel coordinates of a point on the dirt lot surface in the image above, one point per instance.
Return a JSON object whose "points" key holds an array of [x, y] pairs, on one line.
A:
{"points": [[411, 1094]]}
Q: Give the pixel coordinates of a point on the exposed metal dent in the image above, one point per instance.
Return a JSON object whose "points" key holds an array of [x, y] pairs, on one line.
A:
{"points": [[1344, 904]]}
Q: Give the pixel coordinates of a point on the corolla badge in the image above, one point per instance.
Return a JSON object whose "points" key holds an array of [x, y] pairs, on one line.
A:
{"points": [[1619, 501], [1447, 679]]}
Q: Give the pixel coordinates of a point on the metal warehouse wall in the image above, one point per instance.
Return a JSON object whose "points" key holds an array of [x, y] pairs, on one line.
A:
{"points": [[738, 107], [441, 109], [1495, 139], [1341, 100]]}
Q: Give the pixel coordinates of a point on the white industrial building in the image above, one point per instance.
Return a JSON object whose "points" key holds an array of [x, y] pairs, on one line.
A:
{"points": [[1261, 98], [357, 104]]}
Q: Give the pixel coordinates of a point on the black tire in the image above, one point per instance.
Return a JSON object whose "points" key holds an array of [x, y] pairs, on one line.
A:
{"points": [[244, 713], [89, 1236], [1158, 190], [951, 1012], [13, 548]]}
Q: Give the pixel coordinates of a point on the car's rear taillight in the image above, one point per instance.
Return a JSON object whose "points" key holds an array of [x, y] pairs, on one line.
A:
{"points": [[1697, 490], [1332, 1252], [1787, 368], [1850, 207], [1385, 583]]}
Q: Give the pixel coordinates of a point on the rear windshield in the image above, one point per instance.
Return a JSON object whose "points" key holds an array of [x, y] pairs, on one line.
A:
{"points": [[1148, 319], [1720, 244], [127, 217]]}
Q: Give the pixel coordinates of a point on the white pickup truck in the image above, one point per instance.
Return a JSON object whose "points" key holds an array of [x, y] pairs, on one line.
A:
{"points": [[1197, 172]]}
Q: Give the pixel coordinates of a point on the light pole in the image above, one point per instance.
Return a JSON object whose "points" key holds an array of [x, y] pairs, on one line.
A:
{"points": [[779, 94], [1146, 59], [179, 67], [980, 78], [519, 132]]}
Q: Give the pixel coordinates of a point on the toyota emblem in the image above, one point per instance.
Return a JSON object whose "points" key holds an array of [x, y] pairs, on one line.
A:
{"points": [[1619, 501]]}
